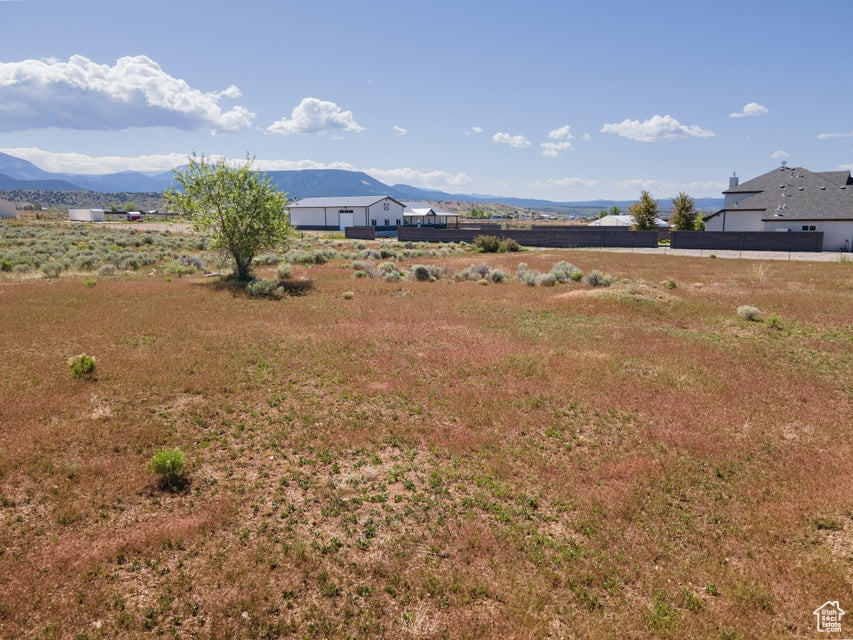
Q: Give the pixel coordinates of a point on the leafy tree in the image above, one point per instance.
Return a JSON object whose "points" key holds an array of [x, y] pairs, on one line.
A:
{"points": [[615, 211], [130, 205], [684, 215], [238, 208], [644, 212]]}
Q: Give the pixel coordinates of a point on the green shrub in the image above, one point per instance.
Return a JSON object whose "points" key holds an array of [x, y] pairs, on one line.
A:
{"points": [[420, 272], [508, 245], [107, 270], [773, 321], [671, 284], [268, 258], [487, 244], [348, 295], [749, 313], [262, 288], [546, 280], [284, 271], [565, 271], [82, 366], [596, 278], [170, 467], [51, 269], [90, 282], [498, 275]]}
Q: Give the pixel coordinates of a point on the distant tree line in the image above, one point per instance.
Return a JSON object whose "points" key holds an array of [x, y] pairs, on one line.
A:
{"points": [[85, 199]]}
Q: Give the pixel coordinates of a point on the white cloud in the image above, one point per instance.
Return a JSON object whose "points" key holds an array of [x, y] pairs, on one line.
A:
{"points": [[81, 163], [518, 142], [400, 131], [563, 133], [825, 136], [314, 116], [474, 130], [666, 189], [586, 137], [555, 149], [776, 155], [749, 110], [135, 92], [655, 128], [564, 183], [433, 179]]}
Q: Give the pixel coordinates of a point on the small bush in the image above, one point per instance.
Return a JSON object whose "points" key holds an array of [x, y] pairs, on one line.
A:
{"points": [[170, 466], [474, 272], [671, 284], [51, 269], [82, 366], [528, 277], [774, 322], [268, 258], [596, 278], [284, 270], [420, 273], [348, 295], [546, 280], [107, 270], [565, 271], [498, 276], [90, 282], [487, 244], [262, 288], [577, 276], [508, 245], [749, 313]]}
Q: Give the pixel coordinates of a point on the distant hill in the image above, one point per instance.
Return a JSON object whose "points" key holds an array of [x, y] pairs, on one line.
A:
{"points": [[9, 183], [20, 175]]}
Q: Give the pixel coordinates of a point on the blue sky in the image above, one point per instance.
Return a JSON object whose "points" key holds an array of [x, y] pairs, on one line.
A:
{"points": [[557, 100]]}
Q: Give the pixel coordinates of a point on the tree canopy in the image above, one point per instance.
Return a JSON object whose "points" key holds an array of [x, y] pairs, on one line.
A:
{"points": [[684, 215], [644, 212], [237, 207]]}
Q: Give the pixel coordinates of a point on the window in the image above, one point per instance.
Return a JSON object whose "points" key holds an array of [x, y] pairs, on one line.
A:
{"points": [[387, 222], [373, 223], [808, 227], [344, 210], [398, 222]]}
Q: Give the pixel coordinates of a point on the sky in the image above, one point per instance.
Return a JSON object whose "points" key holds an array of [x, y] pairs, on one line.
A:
{"points": [[558, 100]]}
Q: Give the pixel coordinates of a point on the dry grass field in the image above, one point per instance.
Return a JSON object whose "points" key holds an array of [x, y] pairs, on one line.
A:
{"points": [[431, 459]]}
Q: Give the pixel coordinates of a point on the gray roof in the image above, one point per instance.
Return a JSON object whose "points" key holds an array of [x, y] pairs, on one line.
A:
{"points": [[340, 202], [798, 194]]}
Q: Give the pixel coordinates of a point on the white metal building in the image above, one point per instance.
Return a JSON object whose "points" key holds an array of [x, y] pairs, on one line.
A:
{"points": [[86, 215], [342, 212]]}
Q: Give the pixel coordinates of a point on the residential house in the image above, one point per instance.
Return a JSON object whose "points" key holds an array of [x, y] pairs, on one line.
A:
{"points": [[790, 199]]}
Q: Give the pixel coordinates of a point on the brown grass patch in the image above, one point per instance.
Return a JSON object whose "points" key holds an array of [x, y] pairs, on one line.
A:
{"points": [[430, 459]]}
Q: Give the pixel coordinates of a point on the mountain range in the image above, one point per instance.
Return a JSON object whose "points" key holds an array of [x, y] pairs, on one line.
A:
{"points": [[19, 174]]}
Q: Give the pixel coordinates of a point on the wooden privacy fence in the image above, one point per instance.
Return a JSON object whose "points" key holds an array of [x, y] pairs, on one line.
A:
{"points": [[551, 236], [360, 233], [748, 240]]}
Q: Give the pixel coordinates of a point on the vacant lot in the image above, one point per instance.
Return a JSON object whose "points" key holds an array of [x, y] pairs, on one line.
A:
{"points": [[431, 459]]}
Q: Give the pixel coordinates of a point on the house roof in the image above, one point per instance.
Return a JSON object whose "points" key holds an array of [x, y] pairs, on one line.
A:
{"points": [[340, 202], [621, 221], [428, 211], [797, 194]]}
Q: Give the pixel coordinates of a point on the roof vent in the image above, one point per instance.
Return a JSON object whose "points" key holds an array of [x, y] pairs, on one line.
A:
{"points": [[799, 188], [823, 188]]}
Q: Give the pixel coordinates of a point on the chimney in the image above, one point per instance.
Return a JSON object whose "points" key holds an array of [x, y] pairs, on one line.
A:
{"points": [[733, 181]]}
